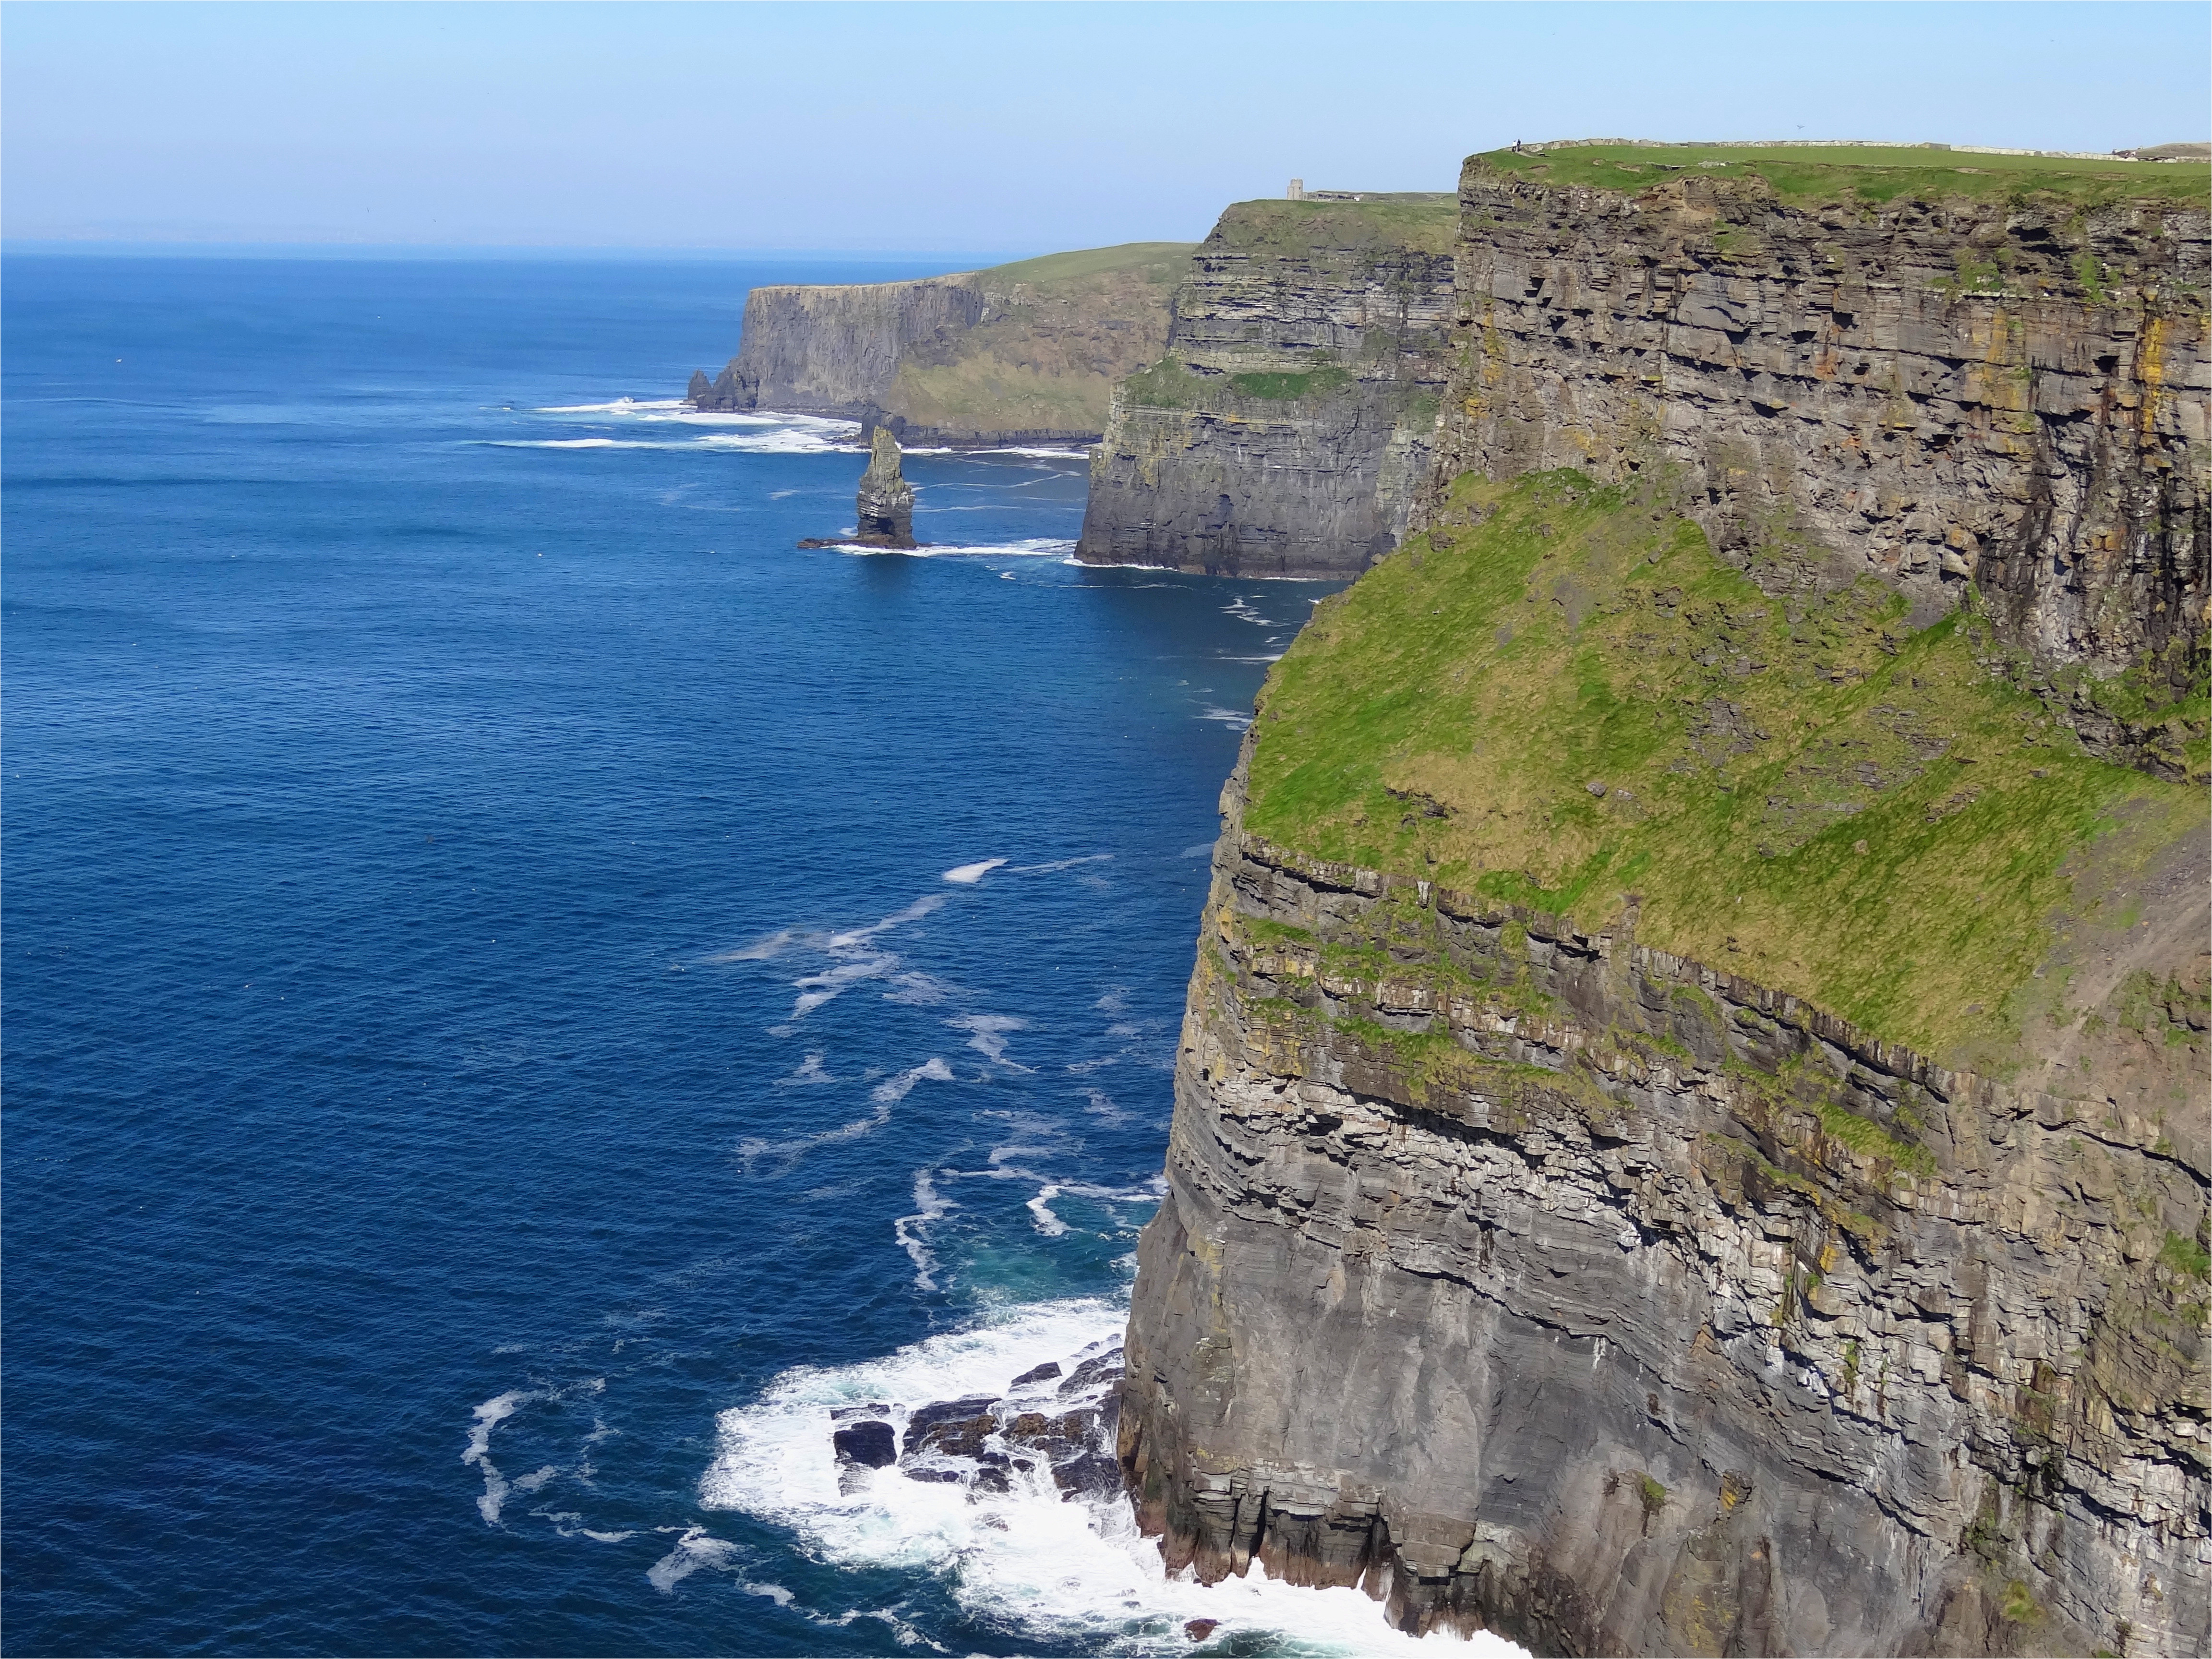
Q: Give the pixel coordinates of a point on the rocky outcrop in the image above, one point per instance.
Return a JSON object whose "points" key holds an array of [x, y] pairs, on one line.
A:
{"points": [[1548, 1283], [1020, 353], [2012, 394], [885, 502], [1286, 431]]}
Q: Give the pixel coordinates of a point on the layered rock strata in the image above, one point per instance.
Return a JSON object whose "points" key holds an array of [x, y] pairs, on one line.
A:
{"points": [[2010, 394], [1286, 430], [1548, 1283], [1024, 353]]}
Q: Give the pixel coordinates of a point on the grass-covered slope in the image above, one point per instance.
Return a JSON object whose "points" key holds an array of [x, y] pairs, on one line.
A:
{"points": [[1560, 697], [1056, 334], [1808, 175]]}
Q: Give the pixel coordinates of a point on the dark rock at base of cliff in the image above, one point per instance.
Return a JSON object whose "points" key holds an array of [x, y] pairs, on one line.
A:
{"points": [[1043, 1373], [868, 1445], [1092, 1372], [1198, 1629]]}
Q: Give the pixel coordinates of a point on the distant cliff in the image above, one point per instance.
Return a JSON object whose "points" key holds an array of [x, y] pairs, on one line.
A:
{"points": [[1287, 429], [1693, 1122], [1021, 352]]}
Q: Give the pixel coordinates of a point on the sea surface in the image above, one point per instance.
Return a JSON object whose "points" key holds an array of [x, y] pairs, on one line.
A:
{"points": [[525, 990]]}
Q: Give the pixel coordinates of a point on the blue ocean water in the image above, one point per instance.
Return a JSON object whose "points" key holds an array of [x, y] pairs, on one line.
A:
{"points": [[494, 1053]]}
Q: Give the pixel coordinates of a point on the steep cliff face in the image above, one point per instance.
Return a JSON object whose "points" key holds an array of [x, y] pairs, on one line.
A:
{"points": [[1286, 431], [1024, 351], [1691, 1129], [2007, 390]]}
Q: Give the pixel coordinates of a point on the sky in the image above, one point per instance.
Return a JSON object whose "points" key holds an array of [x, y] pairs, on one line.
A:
{"points": [[1004, 129]]}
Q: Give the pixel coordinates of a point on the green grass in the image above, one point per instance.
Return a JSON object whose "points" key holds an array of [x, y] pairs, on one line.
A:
{"points": [[1801, 791], [1428, 225], [1162, 262], [1811, 176], [1289, 388]]}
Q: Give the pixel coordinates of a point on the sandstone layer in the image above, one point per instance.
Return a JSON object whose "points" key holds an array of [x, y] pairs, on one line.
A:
{"points": [[1287, 429], [1023, 353]]}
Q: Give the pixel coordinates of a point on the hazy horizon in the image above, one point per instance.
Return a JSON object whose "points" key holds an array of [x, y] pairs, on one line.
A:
{"points": [[935, 130]]}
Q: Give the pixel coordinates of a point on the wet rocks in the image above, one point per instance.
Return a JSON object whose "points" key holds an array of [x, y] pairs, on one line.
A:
{"points": [[990, 1444], [954, 1428], [869, 1445]]}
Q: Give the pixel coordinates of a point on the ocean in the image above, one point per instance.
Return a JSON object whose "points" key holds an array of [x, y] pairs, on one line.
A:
{"points": [[526, 993]]}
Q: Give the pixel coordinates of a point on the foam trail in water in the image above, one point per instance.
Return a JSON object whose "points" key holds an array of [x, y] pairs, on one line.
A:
{"points": [[884, 1096], [1041, 1213], [928, 1206], [1034, 548], [489, 1416], [987, 1034], [620, 406], [1073, 1574], [1060, 864], [969, 874]]}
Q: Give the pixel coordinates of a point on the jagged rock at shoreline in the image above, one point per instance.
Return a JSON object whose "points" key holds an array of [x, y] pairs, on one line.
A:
{"points": [[885, 503], [1692, 1125], [1286, 430], [1023, 353]]}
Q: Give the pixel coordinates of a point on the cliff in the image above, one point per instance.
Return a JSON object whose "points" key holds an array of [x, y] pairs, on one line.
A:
{"points": [[1286, 430], [1691, 1129], [1024, 352], [1940, 370]]}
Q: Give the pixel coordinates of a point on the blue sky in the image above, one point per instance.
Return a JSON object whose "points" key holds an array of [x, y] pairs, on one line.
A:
{"points": [[1004, 129]]}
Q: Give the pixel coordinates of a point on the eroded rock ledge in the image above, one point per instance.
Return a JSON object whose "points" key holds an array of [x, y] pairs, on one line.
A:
{"points": [[1550, 1284]]}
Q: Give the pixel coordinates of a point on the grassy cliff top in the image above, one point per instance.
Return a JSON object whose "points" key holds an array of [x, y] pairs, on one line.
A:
{"points": [[1427, 224], [1809, 176], [1156, 262], [1560, 697]]}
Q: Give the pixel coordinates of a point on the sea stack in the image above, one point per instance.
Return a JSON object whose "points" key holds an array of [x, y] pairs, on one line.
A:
{"points": [[886, 499]]}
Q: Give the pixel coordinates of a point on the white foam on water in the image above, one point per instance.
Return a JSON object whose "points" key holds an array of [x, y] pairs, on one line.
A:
{"points": [[1228, 717], [487, 1417], [967, 875], [884, 1096], [1041, 547], [1060, 864], [987, 1035], [619, 406], [566, 443], [815, 990], [929, 1205], [694, 1550], [1040, 1212], [810, 1071], [1073, 1574], [917, 990], [898, 1087]]}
